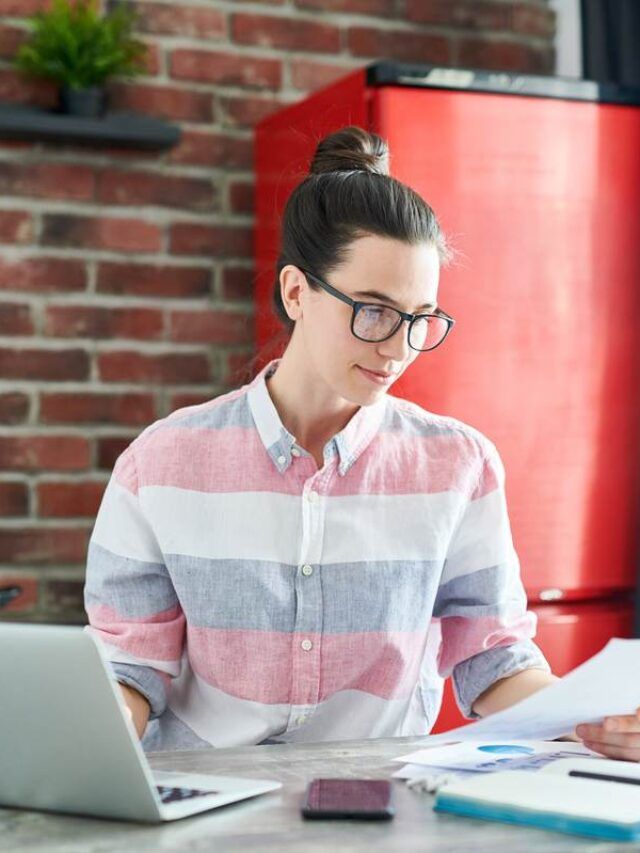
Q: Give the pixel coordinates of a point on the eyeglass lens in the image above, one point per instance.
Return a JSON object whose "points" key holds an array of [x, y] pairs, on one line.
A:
{"points": [[377, 322]]}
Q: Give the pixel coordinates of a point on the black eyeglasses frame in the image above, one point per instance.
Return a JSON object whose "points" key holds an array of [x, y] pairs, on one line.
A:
{"points": [[404, 316]]}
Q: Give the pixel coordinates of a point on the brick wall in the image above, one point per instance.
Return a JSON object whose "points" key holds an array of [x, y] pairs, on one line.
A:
{"points": [[126, 278]]}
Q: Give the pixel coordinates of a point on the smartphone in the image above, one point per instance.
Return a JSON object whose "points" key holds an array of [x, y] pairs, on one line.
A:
{"points": [[368, 799]]}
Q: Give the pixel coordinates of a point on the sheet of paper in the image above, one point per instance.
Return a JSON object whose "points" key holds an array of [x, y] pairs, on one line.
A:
{"points": [[608, 683], [488, 756]]}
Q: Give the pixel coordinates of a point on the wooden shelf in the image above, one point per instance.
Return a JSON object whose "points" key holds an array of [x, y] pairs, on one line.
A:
{"points": [[114, 129]]}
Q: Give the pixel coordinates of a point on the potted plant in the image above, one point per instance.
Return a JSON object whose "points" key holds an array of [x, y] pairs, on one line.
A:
{"points": [[76, 46]]}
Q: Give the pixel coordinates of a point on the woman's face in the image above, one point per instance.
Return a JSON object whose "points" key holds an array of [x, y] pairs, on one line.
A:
{"points": [[378, 270]]}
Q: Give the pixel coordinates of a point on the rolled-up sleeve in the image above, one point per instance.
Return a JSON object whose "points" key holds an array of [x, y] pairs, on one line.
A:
{"points": [[129, 597], [486, 629]]}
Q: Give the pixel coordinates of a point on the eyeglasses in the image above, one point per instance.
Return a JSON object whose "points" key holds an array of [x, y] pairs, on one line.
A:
{"points": [[374, 323]]}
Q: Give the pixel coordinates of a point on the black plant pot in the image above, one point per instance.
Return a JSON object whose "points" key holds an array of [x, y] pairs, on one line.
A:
{"points": [[88, 103]]}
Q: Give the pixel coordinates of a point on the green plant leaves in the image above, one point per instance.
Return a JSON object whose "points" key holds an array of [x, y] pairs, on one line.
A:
{"points": [[72, 44]]}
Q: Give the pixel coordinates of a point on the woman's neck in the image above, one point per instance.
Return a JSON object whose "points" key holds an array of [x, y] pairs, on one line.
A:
{"points": [[308, 408]]}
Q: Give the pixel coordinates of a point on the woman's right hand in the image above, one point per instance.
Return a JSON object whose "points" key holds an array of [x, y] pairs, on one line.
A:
{"points": [[136, 707]]}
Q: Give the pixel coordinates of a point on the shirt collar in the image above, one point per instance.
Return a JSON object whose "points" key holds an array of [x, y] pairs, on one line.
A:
{"points": [[349, 443]]}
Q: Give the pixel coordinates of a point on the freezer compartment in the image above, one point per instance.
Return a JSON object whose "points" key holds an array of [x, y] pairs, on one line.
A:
{"points": [[568, 635]]}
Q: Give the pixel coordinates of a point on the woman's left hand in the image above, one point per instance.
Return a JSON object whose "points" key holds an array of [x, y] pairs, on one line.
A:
{"points": [[615, 737]]}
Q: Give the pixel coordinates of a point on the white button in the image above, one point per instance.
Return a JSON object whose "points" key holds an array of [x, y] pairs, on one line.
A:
{"points": [[295, 451], [282, 460], [307, 570], [300, 721], [312, 497], [306, 645]]}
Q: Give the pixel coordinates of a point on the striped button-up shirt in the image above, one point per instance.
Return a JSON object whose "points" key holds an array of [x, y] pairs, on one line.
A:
{"points": [[251, 596]]}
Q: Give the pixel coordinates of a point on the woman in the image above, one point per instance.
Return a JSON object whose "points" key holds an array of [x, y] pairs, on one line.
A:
{"points": [[305, 557]]}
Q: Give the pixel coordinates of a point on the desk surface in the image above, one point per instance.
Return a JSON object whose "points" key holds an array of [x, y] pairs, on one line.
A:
{"points": [[273, 822]]}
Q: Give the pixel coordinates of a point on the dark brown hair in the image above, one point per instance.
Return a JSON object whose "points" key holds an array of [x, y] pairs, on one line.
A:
{"points": [[349, 194]]}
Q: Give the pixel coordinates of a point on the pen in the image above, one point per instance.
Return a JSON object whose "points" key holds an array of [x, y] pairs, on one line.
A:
{"points": [[605, 777]]}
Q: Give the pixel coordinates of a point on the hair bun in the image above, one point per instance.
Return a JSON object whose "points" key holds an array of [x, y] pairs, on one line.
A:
{"points": [[351, 149]]}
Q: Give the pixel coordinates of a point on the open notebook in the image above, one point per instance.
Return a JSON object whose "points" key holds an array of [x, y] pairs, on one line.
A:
{"points": [[594, 797]]}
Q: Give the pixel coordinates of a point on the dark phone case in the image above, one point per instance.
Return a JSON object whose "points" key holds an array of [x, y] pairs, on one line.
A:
{"points": [[312, 813]]}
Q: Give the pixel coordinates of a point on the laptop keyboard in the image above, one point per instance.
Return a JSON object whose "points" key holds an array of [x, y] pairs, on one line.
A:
{"points": [[173, 795]]}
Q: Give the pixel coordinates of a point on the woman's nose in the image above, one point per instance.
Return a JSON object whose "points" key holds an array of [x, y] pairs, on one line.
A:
{"points": [[397, 346]]}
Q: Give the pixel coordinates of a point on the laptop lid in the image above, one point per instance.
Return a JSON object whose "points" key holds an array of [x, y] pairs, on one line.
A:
{"points": [[65, 742]]}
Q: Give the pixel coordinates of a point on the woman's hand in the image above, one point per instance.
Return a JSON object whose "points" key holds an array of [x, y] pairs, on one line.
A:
{"points": [[615, 737]]}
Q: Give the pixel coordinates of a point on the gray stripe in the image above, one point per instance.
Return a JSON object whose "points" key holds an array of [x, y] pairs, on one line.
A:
{"points": [[145, 680], [227, 413], [267, 596], [131, 587], [429, 424], [487, 592]]}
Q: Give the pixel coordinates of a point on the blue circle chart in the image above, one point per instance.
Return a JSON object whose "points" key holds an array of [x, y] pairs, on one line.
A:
{"points": [[506, 749]]}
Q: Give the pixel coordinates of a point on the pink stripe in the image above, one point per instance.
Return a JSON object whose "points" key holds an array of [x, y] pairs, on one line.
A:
{"points": [[397, 464], [272, 667], [463, 638], [157, 637], [488, 482], [212, 460]]}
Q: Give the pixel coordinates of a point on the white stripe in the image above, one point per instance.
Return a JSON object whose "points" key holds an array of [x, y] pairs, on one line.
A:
{"points": [[121, 527], [267, 525], [483, 538], [219, 718]]}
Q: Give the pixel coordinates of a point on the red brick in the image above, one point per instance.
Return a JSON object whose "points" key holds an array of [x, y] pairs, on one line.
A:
{"points": [[468, 14], [211, 327], [243, 111], [407, 45], [169, 368], [181, 401], [108, 448], [115, 186], [15, 227], [285, 33], [382, 8], [164, 101], [90, 321], [171, 19], [241, 197], [10, 40], [42, 275], [225, 69], [76, 407], [44, 545], [17, 89], [15, 319], [146, 280], [63, 599], [153, 59], [533, 20], [308, 75], [14, 407], [238, 283], [48, 453], [44, 364], [47, 180], [96, 232], [27, 600], [14, 499], [190, 238], [239, 368], [61, 499], [212, 149], [504, 56], [21, 8]]}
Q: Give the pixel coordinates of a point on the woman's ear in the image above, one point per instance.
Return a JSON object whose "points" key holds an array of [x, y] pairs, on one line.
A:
{"points": [[292, 287]]}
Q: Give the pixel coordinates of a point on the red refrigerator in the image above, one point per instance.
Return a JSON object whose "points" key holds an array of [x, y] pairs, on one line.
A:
{"points": [[537, 182]]}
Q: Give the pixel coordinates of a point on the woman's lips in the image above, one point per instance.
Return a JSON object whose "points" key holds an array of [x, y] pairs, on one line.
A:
{"points": [[374, 376]]}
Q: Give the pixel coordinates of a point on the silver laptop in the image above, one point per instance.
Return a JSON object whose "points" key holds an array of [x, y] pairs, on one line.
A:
{"points": [[67, 744]]}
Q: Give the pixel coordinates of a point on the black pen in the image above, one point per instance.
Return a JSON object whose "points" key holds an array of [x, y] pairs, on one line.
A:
{"points": [[604, 777]]}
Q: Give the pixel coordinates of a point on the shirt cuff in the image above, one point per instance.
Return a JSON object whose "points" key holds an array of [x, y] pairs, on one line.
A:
{"points": [[145, 680], [473, 676]]}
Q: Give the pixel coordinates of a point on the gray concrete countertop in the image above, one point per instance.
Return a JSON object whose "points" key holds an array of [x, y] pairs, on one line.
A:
{"points": [[273, 822]]}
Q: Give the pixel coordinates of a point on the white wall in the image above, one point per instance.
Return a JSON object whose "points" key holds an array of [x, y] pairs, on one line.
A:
{"points": [[568, 36]]}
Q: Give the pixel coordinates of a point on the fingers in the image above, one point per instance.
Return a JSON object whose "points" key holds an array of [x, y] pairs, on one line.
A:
{"points": [[597, 734], [621, 752]]}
